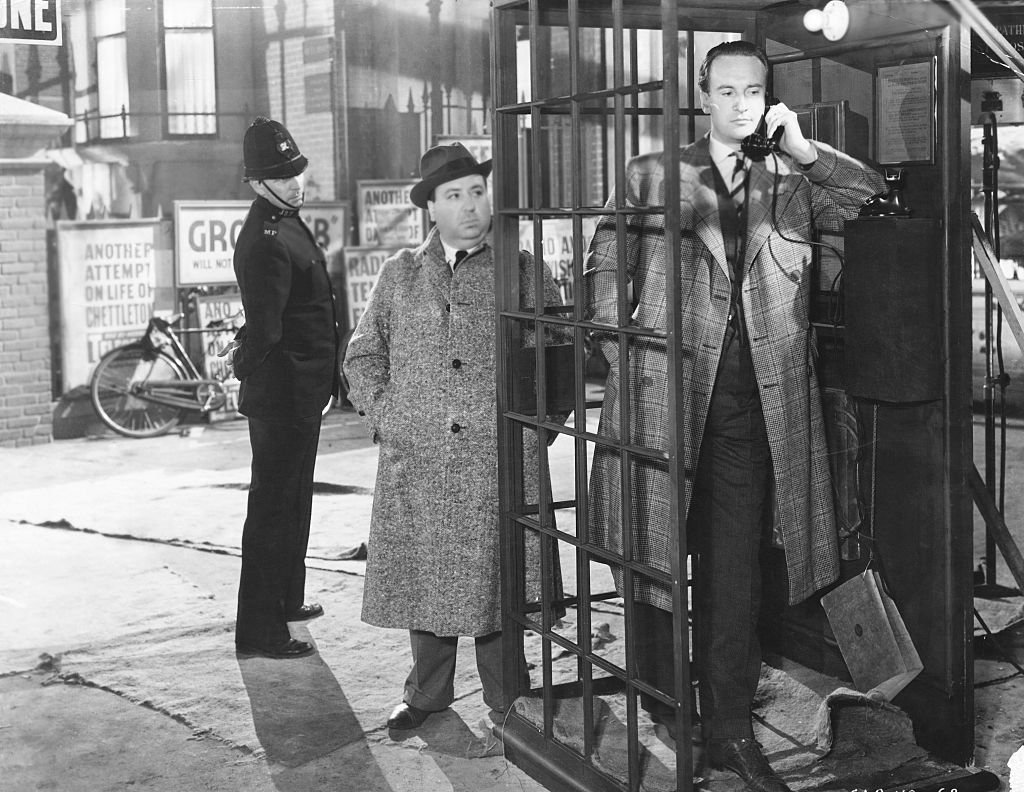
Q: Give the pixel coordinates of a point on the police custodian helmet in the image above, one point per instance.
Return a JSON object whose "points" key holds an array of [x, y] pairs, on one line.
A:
{"points": [[269, 152]]}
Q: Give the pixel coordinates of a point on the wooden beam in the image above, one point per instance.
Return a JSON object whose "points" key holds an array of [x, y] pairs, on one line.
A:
{"points": [[1000, 285], [997, 526]]}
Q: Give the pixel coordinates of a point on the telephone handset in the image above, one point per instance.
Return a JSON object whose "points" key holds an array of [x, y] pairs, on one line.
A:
{"points": [[757, 145]]}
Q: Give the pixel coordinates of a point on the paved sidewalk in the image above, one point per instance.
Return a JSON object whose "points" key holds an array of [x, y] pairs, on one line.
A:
{"points": [[117, 667], [118, 579]]}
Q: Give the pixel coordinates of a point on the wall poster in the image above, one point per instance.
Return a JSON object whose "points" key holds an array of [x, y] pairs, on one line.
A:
{"points": [[224, 313], [206, 232], [362, 269], [113, 275], [387, 215]]}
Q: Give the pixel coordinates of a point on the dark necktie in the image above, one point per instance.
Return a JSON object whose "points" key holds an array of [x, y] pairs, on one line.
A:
{"points": [[738, 194], [459, 256], [738, 184]]}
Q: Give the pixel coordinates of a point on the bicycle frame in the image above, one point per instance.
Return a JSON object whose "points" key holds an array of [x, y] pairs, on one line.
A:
{"points": [[160, 337]]}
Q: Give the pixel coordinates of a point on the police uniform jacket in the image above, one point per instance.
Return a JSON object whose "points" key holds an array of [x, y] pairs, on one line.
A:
{"points": [[287, 360], [421, 369], [775, 292]]}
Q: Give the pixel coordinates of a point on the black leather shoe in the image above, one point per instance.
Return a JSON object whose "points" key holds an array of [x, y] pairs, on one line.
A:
{"points": [[668, 722], [406, 716], [285, 650], [745, 759], [306, 612]]}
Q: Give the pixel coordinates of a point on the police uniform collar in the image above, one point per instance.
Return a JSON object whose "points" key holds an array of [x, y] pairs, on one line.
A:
{"points": [[275, 211]]}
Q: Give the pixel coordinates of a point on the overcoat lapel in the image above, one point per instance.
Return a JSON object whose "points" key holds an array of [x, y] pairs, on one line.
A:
{"points": [[760, 187], [436, 271], [703, 203]]}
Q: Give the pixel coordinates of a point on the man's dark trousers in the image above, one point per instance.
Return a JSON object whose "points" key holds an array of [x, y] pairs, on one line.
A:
{"points": [[728, 516], [276, 532]]}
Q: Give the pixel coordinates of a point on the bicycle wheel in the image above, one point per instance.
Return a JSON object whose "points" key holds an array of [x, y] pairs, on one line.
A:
{"points": [[115, 400]]}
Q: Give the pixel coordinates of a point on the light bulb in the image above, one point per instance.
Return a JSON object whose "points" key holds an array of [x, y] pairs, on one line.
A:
{"points": [[814, 20], [837, 20]]}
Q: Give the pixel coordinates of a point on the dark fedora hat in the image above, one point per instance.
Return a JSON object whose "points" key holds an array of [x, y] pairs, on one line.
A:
{"points": [[444, 164], [270, 152]]}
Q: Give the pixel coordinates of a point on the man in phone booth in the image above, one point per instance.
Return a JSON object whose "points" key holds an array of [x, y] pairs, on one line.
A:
{"points": [[754, 436]]}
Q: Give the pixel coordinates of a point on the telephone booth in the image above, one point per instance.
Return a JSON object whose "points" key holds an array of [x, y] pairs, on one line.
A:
{"points": [[580, 88]]}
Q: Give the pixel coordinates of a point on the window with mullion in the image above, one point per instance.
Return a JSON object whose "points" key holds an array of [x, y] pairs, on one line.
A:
{"points": [[189, 66], [112, 94]]}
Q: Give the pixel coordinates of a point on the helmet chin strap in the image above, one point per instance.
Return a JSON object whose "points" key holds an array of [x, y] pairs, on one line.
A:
{"points": [[282, 200]]}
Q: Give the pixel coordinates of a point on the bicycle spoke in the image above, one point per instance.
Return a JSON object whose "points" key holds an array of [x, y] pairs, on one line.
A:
{"points": [[118, 391]]}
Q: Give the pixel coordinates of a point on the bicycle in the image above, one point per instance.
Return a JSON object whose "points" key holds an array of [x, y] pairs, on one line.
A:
{"points": [[145, 388]]}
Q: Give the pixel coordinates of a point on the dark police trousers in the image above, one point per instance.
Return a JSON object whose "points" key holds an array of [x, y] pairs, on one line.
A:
{"points": [[276, 532], [729, 514]]}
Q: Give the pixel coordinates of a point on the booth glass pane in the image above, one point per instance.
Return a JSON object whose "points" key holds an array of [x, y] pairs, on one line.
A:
{"points": [[523, 61], [596, 136], [554, 241], [586, 100]]}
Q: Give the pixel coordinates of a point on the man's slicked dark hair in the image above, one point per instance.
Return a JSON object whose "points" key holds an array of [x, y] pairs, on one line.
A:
{"points": [[739, 47]]}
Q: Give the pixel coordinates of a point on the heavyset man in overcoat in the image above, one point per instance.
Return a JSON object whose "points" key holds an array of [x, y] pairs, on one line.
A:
{"points": [[753, 439], [421, 369], [287, 362]]}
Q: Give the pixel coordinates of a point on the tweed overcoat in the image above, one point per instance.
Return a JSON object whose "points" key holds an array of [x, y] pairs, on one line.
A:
{"points": [[775, 294], [421, 368]]}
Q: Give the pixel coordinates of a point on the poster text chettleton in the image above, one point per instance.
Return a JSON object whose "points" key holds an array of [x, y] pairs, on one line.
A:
{"points": [[118, 287]]}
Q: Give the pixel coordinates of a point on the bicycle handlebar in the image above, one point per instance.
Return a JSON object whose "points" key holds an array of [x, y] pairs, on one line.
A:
{"points": [[170, 324]]}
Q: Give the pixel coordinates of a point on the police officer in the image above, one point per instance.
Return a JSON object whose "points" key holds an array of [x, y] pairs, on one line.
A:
{"points": [[286, 358]]}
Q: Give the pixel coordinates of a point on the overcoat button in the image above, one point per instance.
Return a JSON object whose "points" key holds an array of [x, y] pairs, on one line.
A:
{"points": [[647, 381], [456, 363], [455, 428]]}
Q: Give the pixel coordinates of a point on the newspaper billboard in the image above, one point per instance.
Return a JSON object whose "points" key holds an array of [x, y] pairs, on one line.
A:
{"points": [[362, 269], [557, 247], [218, 316], [206, 232], [113, 275], [387, 215]]}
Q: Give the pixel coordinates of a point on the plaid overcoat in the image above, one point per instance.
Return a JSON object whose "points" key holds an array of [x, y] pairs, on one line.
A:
{"points": [[421, 369], [775, 293]]}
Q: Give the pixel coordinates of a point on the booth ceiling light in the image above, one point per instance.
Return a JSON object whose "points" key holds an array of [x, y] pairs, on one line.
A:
{"points": [[833, 20]]}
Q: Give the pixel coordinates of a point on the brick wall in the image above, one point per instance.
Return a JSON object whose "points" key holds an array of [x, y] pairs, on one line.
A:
{"points": [[311, 124], [26, 410]]}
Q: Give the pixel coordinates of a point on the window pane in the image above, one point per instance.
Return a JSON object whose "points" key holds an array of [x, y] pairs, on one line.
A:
{"points": [[188, 13], [112, 68], [109, 17], [190, 83], [704, 41]]}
